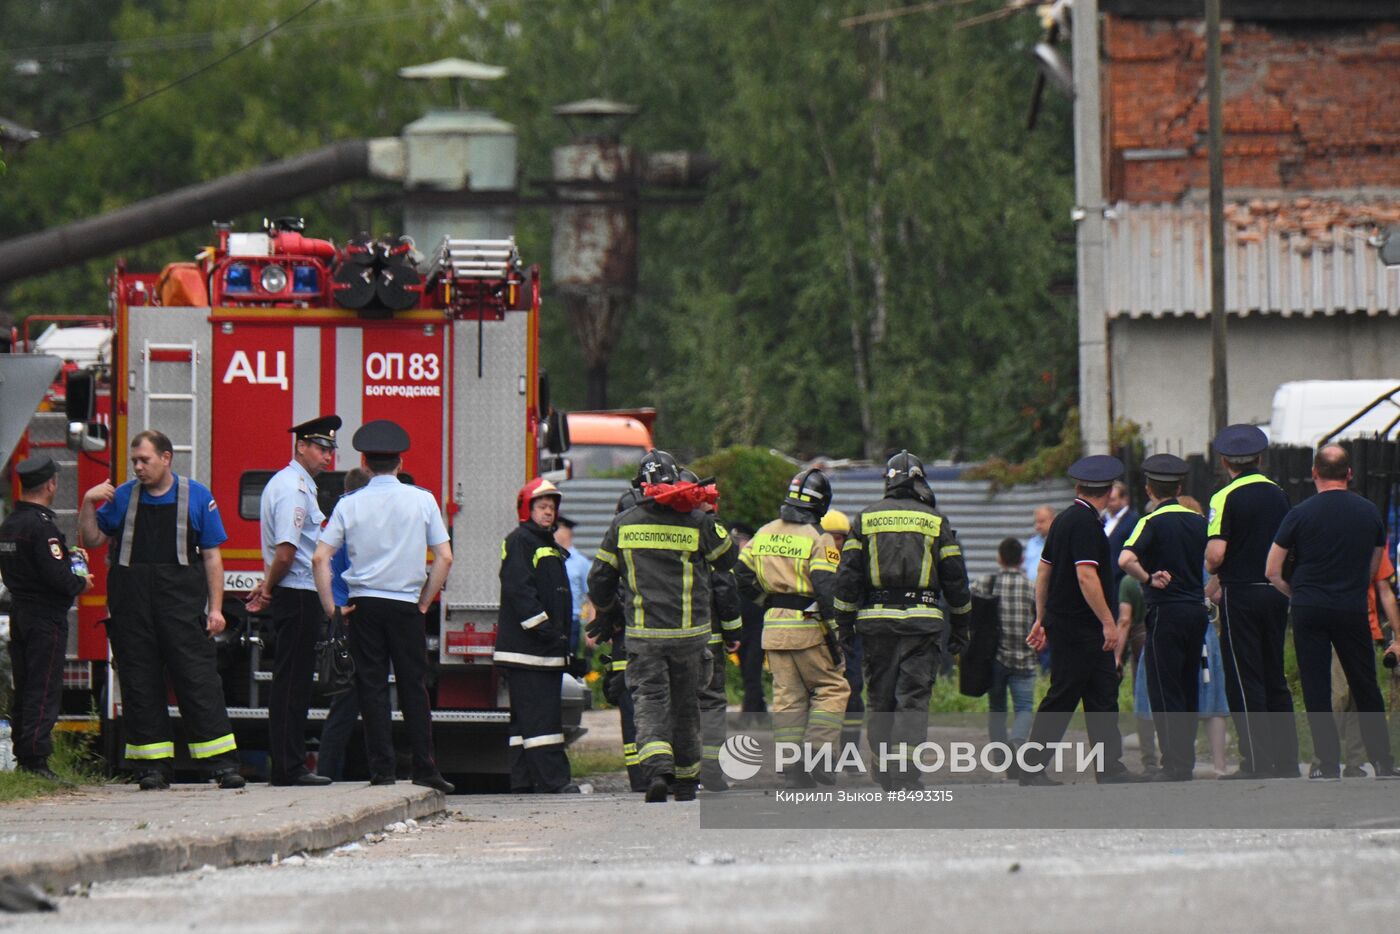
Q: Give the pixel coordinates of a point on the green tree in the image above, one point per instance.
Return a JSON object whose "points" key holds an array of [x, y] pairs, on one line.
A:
{"points": [[870, 268], [752, 482]]}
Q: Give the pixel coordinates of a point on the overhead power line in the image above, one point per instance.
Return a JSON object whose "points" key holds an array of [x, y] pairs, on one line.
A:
{"points": [[880, 16], [145, 45], [188, 77]]}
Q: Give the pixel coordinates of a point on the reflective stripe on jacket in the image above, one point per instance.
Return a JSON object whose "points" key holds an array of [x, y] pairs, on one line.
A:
{"points": [[900, 546], [726, 617], [656, 562], [536, 614], [795, 559]]}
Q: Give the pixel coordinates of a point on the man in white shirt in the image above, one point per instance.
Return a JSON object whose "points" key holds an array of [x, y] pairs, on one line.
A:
{"points": [[385, 528]]}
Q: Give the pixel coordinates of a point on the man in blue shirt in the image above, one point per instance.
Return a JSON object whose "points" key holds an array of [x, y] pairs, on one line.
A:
{"points": [[576, 566], [344, 711], [291, 518], [386, 527], [1030, 562], [165, 569], [1337, 538], [1041, 520]]}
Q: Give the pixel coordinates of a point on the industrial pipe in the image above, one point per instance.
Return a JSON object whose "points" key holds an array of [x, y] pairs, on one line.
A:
{"points": [[197, 205]]}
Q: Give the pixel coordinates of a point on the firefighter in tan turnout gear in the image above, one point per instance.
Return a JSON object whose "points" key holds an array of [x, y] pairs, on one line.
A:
{"points": [[901, 557], [655, 560], [789, 568]]}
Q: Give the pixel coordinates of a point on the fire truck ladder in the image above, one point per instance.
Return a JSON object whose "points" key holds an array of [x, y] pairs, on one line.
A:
{"points": [[169, 356], [476, 259]]}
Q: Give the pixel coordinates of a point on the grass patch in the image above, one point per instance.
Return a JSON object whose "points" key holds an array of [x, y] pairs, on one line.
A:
{"points": [[73, 758], [585, 762]]}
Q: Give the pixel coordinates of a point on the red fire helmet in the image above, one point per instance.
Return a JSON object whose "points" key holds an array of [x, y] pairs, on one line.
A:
{"points": [[532, 491]]}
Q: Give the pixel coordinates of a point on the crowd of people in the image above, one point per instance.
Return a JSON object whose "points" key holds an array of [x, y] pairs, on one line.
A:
{"points": [[1197, 607], [853, 617]]}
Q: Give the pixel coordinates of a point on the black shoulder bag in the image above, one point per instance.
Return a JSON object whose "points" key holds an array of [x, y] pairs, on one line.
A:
{"points": [[335, 669]]}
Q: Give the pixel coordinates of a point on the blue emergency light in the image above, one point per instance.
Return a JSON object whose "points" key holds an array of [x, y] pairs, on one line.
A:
{"points": [[305, 279], [238, 278]]}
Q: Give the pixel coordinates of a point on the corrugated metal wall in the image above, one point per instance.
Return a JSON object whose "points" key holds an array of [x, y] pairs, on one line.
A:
{"points": [[982, 519], [1157, 263]]}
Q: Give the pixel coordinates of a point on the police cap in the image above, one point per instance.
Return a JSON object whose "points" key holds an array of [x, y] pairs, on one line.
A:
{"points": [[35, 470], [380, 436], [1096, 470], [1165, 467], [1240, 441], [318, 431], [565, 521]]}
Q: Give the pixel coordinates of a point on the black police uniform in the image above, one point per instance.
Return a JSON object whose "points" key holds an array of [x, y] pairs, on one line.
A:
{"points": [[1172, 538], [1081, 670], [532, 653], [35, 565], [1246, 514]]}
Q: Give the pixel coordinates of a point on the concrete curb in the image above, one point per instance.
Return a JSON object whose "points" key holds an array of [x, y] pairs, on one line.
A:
{"points": [[243, 841]]}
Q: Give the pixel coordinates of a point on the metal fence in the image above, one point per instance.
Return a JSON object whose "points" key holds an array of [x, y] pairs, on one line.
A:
{"points": [[981, 516], [1375, 466]]}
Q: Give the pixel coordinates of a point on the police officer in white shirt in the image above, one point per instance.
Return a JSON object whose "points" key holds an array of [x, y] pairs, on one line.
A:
{"points": [[385, 529], [291, 524]]}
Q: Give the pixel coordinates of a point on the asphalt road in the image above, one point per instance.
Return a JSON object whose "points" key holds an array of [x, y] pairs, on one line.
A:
{"points": [[608, 862]]}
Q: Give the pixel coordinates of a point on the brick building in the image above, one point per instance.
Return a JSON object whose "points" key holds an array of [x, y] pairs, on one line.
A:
{"points": [[1312, 171]]}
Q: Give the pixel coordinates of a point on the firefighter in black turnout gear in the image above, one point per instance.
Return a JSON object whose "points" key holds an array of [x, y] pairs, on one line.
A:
{"points": [[902, 556], [611, 627], [43, 577], [654, 560], [532, 642], [165, 595]]}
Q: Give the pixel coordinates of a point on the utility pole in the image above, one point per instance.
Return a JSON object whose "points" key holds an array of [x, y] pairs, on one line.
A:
{"points": [[1219, 388], [1088, 198]]}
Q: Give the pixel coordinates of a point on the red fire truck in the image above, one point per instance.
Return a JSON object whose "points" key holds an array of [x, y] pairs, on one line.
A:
{"points": [[269, 329]]}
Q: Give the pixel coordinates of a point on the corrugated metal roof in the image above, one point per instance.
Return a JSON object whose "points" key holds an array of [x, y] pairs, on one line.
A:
{"points": [[982, 519], [1158, 264]]}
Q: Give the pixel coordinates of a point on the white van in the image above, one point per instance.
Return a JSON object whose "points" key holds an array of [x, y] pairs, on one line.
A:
{"points": [[1307, 410]]}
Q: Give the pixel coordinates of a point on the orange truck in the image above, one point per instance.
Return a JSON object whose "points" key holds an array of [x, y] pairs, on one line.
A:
{"points": [[603, 443]]}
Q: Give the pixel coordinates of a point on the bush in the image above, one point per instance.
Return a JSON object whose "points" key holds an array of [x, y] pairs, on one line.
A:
{"points": [[1052, 462], [752, 482]]}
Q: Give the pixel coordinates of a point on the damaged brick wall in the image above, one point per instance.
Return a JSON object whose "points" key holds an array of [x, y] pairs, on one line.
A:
{"points": [[1309, 107]]}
